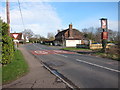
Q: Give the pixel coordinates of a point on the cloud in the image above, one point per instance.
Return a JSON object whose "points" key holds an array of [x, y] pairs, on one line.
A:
{"points": [[41, 18]]}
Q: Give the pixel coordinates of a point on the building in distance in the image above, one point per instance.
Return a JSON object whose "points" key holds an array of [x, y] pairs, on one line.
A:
{"points": [[69, 37]]}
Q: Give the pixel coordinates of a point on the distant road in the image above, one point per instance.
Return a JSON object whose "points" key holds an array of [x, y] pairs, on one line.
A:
{"points": [[84, 71]]}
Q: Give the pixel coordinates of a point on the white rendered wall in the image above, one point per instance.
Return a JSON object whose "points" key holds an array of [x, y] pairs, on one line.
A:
{"points": [[72, 43]]}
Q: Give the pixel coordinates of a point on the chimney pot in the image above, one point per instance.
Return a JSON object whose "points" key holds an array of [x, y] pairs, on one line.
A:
{"points": [[70, 26], [70, 31], [58, 31]]}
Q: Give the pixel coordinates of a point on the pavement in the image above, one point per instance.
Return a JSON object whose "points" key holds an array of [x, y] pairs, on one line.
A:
{"points": [[38, 76]]}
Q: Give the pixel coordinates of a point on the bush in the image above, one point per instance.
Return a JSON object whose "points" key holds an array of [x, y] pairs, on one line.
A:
{"points": [[113, 52], [7, 49], [7, 44]]}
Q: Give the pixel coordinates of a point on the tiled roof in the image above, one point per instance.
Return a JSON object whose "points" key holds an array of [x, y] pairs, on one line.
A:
{"points": [[76, 34], [61, 33]]}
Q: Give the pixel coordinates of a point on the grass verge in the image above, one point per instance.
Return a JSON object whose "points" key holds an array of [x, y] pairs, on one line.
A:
{"points": [[17, 68], [108, 55], [76, 49], [0, 75]]}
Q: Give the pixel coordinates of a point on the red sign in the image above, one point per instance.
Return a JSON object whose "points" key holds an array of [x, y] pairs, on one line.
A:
{"points": [[104, 24], [104, 35], [15, 36]]}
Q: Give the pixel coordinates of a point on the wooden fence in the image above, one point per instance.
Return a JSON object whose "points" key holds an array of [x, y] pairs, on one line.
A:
{"points": [[99, 46]]}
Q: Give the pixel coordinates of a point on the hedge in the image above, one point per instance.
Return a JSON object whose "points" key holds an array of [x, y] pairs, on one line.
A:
{"points": [[7, 44]]}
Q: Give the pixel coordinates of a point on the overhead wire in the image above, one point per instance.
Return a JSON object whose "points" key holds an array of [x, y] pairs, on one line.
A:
{"points": [[21, 14]]}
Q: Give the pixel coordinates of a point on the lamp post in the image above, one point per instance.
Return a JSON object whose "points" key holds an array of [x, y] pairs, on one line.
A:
{"points": [[104, 34]]}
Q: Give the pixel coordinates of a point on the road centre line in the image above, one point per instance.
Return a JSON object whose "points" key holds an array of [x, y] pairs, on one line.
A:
{"points": [[98, 65], [37, 46], [62, 55]]}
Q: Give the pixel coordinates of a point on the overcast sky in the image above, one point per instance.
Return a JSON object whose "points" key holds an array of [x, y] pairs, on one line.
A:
{"points": [[44, 17]]}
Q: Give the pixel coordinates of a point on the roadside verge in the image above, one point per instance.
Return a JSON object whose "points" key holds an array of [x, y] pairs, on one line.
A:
{"points": [[16, 69], [97, 53], [38, 76]]}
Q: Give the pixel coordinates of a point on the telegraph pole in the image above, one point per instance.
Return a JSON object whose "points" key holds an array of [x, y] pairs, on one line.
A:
{"points": [[8, 15]]}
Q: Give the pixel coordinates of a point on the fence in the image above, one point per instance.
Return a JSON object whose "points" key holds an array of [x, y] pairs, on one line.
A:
{"points": [[99, 46]]}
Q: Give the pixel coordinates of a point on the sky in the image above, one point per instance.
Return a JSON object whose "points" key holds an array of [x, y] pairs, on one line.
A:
{"points": [[47, 17]]}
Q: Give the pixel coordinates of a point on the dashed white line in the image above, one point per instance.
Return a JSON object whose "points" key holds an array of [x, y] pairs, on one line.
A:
{"points": [[97, 65], [37, 46], [62, 55]]}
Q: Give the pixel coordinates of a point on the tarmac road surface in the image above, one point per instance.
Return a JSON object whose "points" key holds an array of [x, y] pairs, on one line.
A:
{"points": [[84, 71]]}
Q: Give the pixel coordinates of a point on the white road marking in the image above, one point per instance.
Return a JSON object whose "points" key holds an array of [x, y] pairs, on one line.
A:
{"points": [[98, 65], [37, 46], [62, 55], [41, 52], [79, 54]]}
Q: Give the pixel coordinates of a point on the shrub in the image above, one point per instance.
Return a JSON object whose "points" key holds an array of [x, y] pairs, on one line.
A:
{"points": [[113, 52], [7, 49], [7, 44]]}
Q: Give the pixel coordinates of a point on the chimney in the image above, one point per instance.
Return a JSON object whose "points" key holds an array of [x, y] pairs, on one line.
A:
{"points": [[70, 31], [70, 26], [58, 31]]}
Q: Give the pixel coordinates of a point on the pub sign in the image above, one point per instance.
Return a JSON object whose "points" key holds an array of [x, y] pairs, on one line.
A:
{"points": [[104, 23], [104, 35]]}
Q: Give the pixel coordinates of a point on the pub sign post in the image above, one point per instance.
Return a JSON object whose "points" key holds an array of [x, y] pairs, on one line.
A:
{"points": [[104, 34]]}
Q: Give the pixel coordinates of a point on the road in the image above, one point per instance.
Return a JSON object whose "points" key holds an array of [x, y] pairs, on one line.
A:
{"points": [[83, 70]]}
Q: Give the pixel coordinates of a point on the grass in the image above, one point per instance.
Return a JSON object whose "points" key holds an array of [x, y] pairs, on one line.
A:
{"points": [[0, 64], [75, 49], [108, 55], [111, 54], [0, 75], [17, 68], [0, 48]]}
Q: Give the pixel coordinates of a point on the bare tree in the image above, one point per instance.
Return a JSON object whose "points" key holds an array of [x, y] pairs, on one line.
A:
{"points": [[28, 33], [97, 35], [37, 36], [51, 36], [85, 30], [89, 33], [113, 35]]}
